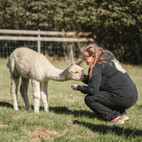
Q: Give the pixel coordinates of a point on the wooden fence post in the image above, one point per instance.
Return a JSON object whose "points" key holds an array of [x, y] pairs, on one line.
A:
{"points": [[39, 43], [71, 53]]}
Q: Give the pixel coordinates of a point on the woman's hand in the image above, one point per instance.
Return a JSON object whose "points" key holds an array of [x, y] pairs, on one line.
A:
{"points": [[74, 86]]}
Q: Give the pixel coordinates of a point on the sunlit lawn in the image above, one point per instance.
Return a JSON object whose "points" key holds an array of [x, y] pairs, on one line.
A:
{"points": [[69, 118]]}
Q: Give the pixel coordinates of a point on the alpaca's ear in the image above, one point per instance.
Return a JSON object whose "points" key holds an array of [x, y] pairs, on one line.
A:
{"points": [[80, 62], [69, 68], [72, 64]]}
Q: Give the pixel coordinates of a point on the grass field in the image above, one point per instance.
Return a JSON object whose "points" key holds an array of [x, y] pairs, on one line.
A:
{"points": [[69, 119]]}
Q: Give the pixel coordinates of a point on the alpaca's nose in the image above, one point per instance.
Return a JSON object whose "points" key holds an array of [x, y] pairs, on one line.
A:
{"points": [[84, 76]]}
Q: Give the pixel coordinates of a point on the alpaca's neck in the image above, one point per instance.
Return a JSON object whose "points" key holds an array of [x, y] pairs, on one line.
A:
{"points": [[58, 74]]}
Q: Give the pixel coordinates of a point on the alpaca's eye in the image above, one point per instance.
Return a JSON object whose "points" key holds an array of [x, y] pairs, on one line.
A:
{"points": [[74, 72]]}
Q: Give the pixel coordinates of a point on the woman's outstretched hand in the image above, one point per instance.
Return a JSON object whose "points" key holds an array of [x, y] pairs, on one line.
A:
{"points": [[74, 86]]}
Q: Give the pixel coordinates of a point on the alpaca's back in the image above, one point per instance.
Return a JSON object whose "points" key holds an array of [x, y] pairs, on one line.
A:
{"points": [[28, 63]]}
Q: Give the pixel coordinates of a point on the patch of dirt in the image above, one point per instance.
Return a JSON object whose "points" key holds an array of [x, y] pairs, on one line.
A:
{"points": [[3, 125], [43, 133], [76, 137]]}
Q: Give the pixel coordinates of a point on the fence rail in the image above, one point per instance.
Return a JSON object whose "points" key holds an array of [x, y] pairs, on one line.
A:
{"points": [[53, 39], [6, 31]]}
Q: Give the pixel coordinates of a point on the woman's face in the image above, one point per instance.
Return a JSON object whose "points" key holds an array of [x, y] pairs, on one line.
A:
{"points": [[88, 59]]}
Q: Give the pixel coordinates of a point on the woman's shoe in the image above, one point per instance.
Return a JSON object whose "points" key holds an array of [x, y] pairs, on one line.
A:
{"points": [[117, 120], [124, 117]]}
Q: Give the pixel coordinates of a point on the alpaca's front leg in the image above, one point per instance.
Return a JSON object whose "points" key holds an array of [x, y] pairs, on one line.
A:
{"points": [[14, 90], [36, 94], [23, 90], [43, 92]]}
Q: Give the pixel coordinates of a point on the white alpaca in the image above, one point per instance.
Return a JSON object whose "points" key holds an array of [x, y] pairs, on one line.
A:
{"points": [[29, 64]]}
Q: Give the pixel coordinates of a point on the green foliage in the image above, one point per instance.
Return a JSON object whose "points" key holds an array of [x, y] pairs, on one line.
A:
{"points": [[116, 25], [120, 29]]}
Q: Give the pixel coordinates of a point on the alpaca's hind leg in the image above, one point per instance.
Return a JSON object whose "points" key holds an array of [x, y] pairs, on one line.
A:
{"points": [[43, 93], [14, 90], [23, 90], [36, 94]]}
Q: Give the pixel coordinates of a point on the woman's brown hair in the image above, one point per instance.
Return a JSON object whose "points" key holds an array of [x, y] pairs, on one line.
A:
{"points": [[98, 52]]}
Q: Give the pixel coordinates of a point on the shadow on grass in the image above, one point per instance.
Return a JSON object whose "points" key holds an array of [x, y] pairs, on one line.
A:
{"points": [[104, 129], [8, 105], [5, 104], [65, 110]]}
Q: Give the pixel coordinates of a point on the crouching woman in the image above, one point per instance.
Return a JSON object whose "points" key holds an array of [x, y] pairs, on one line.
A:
{"points": [[110, 90]]}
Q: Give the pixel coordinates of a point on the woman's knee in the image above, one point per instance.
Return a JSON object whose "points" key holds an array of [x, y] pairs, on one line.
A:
{"points": [[88, 99]]}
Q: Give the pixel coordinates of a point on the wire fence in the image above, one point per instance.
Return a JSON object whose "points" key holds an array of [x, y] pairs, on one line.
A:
{"points": [[51, 49]]}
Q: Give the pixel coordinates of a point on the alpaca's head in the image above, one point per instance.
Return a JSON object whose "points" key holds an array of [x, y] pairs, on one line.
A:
{"points": [[75, 72]]}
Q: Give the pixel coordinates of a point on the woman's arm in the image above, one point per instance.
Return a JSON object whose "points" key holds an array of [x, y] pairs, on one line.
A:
{"points": [[94, 83]]}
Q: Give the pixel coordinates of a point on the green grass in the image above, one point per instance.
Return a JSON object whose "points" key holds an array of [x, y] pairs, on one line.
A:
{"points": [[69, 119]]}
